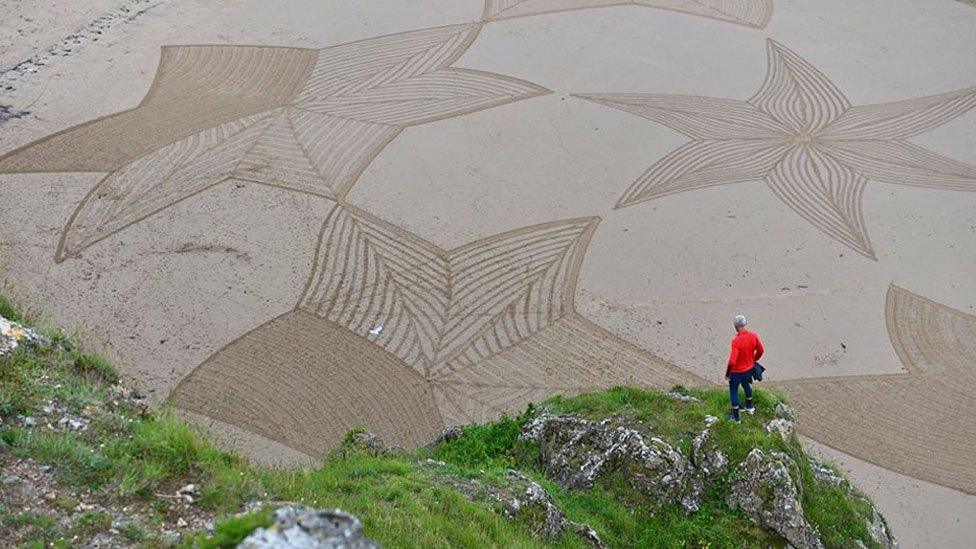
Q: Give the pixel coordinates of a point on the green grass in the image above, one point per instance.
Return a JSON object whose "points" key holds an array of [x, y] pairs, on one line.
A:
{"points": [[623, 517], [91, 522], [95, 366], [402, 501], [677, 421], [230, 532], [37, 530], [492, 445], [8, 311]]}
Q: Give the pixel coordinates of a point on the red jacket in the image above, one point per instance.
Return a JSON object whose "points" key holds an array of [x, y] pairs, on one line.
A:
{"points": [[746, 350]]}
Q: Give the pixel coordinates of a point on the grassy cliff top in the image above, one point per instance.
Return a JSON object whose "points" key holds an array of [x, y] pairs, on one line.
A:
{"points": [[102, 466]]}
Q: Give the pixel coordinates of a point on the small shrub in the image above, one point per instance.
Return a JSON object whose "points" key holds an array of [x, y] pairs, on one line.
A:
{"points": [[134, 532], [90, 523], [95, 366], [232, 531], [487, 445], [8, 311]]}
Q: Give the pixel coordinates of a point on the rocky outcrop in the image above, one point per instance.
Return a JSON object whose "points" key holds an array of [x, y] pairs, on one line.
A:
{"points": [[12, 335], [525, 498], [681, 397], [520, 498], [577, 452], [876, 526], [825, 475], [765, 491], [782, 422], [449, 434], [369, 443], [311, 529], [705, 456], [879, 531], [783, 427]]}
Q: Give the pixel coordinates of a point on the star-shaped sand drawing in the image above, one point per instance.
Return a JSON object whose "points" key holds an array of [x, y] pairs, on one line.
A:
{"points": [[900, 421], [468, 333], [801, 136], [305, 120], [751, 13]]}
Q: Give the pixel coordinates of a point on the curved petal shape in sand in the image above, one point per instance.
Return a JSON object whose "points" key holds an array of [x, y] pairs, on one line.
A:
{"points": [[920, 424]]}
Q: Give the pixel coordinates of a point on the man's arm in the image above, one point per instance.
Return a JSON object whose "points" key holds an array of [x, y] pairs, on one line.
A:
{"points": [[759, 348], [732, 356]]}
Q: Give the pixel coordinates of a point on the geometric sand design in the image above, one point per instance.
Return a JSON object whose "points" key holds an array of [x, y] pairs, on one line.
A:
{"points": [[301, 119], [921, 424], [467, 334], [801, 136], [752, 13]]}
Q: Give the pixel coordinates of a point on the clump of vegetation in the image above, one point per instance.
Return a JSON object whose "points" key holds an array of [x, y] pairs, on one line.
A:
{"points": [[127, 455]]}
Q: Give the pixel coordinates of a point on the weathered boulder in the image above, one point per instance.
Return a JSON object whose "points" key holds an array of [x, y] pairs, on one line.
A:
{"points": [[12, 335], [783, 427], [879, 531], [449, 434], [705, 456], [576, 452], [765, 491], [876, 526], [518, 497], [783, 411], [370, 443], [681, 397], [825, 475], [310, 529], [525, 497]]}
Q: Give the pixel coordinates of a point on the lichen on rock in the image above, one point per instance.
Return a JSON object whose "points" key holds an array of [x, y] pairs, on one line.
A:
{"points": [[766, 492], [309, 528], [577, 452]]}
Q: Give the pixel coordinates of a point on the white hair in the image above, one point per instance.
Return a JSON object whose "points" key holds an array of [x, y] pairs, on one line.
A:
{"points": [[739, 321]]}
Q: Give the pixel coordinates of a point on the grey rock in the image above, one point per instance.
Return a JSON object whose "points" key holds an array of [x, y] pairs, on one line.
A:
{"points": [[783, 411], [823, 474], [765, 491], [708, 459], [577, 452], [781, 426], [683, 397], [879, 531], [13, 335], [450, 434], [373, 444], [308, 529], [521, 498], [877, 528], [73, 423], [188, 492], [553, 522]]}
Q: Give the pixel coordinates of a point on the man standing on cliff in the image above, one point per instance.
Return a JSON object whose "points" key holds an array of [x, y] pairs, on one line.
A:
{"points": [[746, 350]]}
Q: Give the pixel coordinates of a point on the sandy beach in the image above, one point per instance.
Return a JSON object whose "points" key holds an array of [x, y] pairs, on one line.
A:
{"points": [[419, 214]]}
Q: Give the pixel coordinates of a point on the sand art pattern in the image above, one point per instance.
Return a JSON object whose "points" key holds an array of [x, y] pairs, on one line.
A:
{"points": [[751, 13], [921, 423], [299, 119], [404, 337], [801, 136]]}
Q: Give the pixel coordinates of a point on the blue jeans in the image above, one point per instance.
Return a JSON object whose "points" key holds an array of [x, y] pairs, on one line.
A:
{"points": [[744, 379]]}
